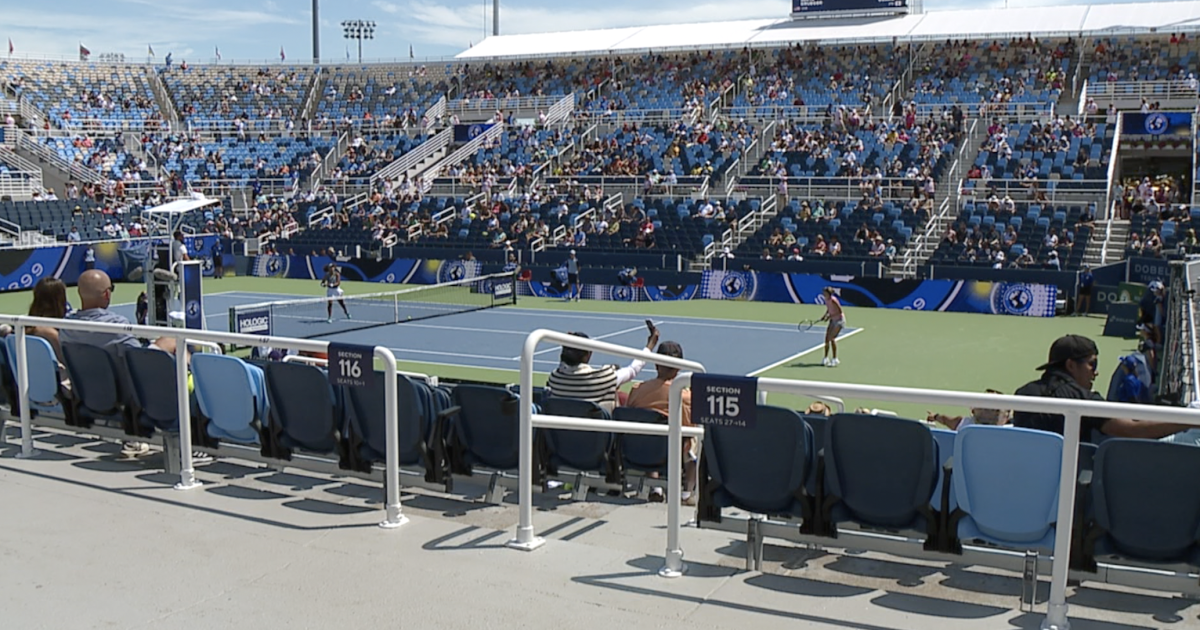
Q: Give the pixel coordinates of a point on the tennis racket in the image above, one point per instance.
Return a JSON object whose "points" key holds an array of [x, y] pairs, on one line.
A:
{"points": [[807, 325]]}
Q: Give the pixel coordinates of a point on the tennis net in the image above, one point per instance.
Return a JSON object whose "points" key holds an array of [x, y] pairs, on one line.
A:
{"points": [[308, 318]]}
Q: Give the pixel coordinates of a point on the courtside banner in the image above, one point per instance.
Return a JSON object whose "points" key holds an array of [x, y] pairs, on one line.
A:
{"points": [[254, 322]]}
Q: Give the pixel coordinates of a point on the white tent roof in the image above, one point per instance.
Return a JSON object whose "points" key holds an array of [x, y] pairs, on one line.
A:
{"points": [[180, 206], [1163, 17]]}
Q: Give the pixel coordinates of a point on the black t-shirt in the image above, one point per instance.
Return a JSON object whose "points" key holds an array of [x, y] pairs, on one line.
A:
{"points": [[1055, 383]]}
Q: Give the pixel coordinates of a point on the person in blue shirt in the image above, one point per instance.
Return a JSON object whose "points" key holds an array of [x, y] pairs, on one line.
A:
{"points": [[1083, 301]]}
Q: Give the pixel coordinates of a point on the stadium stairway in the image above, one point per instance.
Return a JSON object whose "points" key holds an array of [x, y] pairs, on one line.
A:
{"points": [[1102, 250]]}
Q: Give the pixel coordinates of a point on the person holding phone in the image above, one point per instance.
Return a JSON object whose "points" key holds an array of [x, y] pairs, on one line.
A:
{"points": [[574, 378]]}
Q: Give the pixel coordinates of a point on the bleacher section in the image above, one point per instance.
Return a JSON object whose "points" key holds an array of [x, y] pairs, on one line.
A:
{"points": [[281, 159], [996, 73], [1047, 152], [380, 94], [981, 223], [103, 155], [56, 218], [803, 224], [369, 153], [1143, 59], [217, 95], [682, 150], [77, 95], [791, 81]]}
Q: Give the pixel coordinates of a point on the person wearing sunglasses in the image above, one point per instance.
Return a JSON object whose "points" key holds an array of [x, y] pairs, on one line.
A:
{"points": [[1069, 373]]}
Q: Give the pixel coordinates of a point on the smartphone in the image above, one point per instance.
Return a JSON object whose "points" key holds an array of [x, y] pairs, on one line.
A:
{"points": [[650, 325]]}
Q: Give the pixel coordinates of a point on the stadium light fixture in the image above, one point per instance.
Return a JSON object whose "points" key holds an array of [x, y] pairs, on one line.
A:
{"points": [[359, 30]]}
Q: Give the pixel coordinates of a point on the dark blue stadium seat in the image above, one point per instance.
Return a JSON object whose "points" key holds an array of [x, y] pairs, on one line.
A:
{"points": [[305, 414]]}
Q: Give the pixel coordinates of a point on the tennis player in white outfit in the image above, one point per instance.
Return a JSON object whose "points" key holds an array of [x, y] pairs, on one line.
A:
{"points": [[837, 321], [333, 290]]}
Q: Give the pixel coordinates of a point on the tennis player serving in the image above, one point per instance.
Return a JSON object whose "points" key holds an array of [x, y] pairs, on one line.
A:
{"points": [[837, 321], [333, 290]]}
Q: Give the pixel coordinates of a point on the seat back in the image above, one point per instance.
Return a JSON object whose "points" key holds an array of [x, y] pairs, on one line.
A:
{"points": [[1006, 479], [578, 450], [883, 469], [303, 407], [366, 415], [43, 369], [642, 452], [94, 382], [761, 468], [230, 394], [487, 427], [152, 376], [1147, 497]]}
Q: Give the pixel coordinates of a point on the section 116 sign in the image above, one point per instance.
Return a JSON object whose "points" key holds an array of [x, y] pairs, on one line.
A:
{"points": [[724, 401], [351, 366]]}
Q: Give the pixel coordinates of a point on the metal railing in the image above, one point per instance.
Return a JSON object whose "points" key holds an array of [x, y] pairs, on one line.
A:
{"points": [[45, 153], [187, 479], [561, 111], [1072, 410], [405, 162], [525, 538], [434, 114], [476, 106], [1135, 91]]}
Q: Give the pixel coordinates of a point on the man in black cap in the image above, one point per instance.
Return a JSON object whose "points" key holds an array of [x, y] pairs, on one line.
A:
{"points": [[1069, 373]]}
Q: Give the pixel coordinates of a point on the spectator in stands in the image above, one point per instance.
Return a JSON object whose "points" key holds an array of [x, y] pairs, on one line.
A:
{"points": [[1069, 373], [889, 252], [95, 294], [49, 300], [574, 378], [655, 394], [73, 236], [995, 417], [1052, 262]]}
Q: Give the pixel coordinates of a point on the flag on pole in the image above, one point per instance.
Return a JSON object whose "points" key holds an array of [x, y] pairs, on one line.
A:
{"points": [[282, 56], [347, 53], [150, 49], [410, 52], [217, 49], [84, 53], [10, 46]]}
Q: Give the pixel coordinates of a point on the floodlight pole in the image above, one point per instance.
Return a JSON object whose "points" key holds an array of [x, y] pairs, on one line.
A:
{"points": [[316, 32], [495, 17], [358, 30]]}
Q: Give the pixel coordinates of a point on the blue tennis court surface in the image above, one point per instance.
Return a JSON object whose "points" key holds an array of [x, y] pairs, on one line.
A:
{"points": [[493, 338]]}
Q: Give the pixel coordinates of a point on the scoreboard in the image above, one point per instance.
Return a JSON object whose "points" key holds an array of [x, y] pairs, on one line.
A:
{"points": [[819, 7]]}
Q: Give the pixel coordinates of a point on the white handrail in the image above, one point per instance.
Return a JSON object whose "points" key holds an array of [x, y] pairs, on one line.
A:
{"points": [[526, 539], [393, 518], [1072, 410]]}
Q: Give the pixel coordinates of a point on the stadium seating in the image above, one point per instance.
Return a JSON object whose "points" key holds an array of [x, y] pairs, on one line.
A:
{"points": [[806, 220], [76, 95], [282, 158], [977, 72], [219, 95], [794, 79], [1060, 166], [376, 93], [1030, 222], [104, 155], [1143, 58]]}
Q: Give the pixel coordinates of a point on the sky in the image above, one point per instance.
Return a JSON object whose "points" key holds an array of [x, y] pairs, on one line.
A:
{"points": [[257, 29]]}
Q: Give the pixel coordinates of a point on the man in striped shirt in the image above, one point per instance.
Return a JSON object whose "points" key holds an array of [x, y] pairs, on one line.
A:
{"points": [[574, 378]]}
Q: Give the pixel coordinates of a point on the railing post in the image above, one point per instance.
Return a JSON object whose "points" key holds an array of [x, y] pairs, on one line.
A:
{"points": [[526, 540], [22, 360], [187, 470], [673, 559], [1056, 612], [394, 515]]}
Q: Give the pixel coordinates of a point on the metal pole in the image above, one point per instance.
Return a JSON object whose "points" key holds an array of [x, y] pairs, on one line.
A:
{"points": [[316, 32], [394, 516], [1056, 612], [526, 540], [22, 361], [495, 17], [673, 559], [187, 471]]}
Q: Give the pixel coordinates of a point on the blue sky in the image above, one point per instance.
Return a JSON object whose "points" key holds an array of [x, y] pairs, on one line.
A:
{"points": [[256, 29]]}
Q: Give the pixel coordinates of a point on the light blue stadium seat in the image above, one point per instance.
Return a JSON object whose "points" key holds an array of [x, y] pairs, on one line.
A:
{"points": [[232, 395], [43, 371], [1013, 506]]}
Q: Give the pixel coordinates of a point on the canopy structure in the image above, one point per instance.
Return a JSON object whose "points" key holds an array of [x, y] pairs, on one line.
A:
{"points": [[1078, 20]]}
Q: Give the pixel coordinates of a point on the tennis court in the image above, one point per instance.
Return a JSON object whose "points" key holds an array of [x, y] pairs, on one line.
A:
{"points": [[493, 338]]}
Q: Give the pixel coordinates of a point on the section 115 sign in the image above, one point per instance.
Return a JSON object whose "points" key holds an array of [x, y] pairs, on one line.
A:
{"points": [[724, 401]]}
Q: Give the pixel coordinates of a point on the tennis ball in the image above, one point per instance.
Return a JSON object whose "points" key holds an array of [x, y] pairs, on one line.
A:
{"points": [[409, 318]]}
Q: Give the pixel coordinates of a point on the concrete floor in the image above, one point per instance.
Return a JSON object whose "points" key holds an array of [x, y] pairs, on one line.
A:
{"points": [[90, 540]]}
